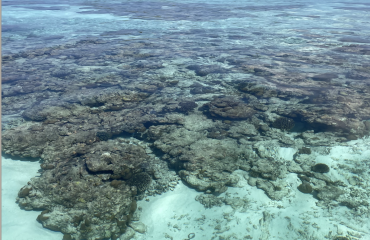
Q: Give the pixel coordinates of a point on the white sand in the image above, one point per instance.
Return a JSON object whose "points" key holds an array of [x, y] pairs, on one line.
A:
{"points": [[19, 224], [176, 214]]}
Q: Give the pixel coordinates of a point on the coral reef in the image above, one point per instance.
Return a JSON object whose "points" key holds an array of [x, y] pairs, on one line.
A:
{"points": [[305, 187], [304, 150], [186, 106], [132, 127], [86, 199], [204, 70], [283, 123], [141, 181], [103, 136], [320, 168], [228, 108]]}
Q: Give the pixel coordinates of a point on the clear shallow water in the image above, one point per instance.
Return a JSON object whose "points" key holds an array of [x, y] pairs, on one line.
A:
{"points": [[117, 95]]}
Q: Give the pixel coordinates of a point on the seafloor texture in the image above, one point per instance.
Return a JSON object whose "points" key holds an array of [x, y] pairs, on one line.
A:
{"points": [[121, 100]]}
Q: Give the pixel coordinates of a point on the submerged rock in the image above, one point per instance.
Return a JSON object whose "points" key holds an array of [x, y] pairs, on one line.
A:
{"points": [[202, 90], [272, 190], [209, 200], [138, 227], [329, 193], [186, 106], [128, 235], [228, 108], [257, 90], [204, 70], [325, 77], [304, 150], [269, 168]]}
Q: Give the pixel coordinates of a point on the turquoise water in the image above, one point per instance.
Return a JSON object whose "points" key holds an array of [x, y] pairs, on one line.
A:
{"points": [[188, 119]]}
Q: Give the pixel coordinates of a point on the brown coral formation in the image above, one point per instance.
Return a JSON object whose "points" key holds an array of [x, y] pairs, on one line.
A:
{"points": [[82, 193], [228, 108]]}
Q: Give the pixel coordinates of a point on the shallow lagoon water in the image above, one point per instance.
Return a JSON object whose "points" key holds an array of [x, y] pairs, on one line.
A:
{"points": [[159, 119]]}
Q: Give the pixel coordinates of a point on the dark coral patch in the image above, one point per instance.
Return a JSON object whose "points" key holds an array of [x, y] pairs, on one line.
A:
{"points": [[116, 183], [103, 136], [257, 90], [305, 187], [61, 74], [34, 114], [320, 168], [283, 123], [304, 150], [204, 70], [186, 106], [202, 90], [141, 181], [325, 77], [228, 108]]}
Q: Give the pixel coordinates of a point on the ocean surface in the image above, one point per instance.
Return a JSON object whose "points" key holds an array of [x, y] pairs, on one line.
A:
{"points": [[209, 120]]}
